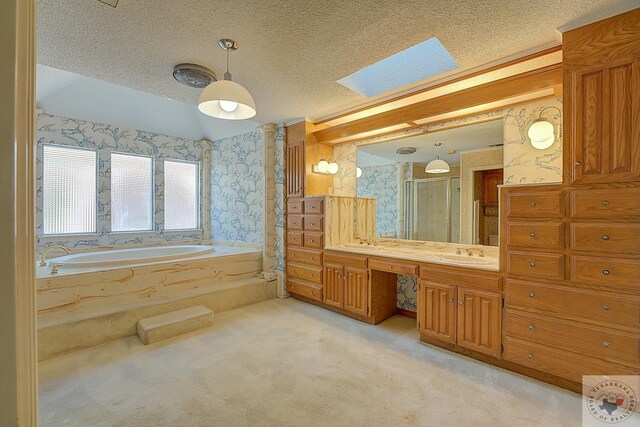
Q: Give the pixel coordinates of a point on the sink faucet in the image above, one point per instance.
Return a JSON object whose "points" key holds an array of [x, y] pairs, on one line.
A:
{"points": [[481, 254], [43, 260], [458, 251], [469, 252]]}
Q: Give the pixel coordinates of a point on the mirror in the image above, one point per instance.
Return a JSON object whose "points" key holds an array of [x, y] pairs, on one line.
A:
{"points": [[418, 199]]}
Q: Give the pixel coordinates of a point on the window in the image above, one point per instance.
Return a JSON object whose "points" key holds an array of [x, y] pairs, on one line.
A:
{"points": [[181, 191], [69, 190], [131, 193]]}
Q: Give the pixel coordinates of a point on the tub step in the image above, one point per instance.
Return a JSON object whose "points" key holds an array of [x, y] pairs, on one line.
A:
{"points": [[173, 323]]}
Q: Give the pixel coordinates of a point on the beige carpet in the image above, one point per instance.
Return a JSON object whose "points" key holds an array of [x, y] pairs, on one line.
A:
{"points": [[286, 363]]}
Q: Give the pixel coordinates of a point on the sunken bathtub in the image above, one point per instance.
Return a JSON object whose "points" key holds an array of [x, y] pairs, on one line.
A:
{"points": [[99, 296]]}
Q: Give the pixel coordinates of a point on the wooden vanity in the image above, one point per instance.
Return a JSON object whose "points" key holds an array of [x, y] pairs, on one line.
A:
{"points": [[565, 300]]}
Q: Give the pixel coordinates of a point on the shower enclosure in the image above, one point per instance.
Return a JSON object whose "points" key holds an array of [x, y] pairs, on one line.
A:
{"points": [[432, 209]]}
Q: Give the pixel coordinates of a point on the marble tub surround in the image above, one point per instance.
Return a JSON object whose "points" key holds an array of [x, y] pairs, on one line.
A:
{"points": [[431, 252], [82, 307]]}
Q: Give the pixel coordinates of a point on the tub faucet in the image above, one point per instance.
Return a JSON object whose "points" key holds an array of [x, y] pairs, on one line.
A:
{"points": [[43, 260], [469, 252]]}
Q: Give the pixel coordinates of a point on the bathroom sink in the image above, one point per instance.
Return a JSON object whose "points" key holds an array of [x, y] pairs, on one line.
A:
{"points": [[464, 259]]}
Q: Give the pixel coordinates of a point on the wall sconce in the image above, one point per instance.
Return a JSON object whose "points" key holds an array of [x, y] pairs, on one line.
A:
{"points": [[542, 132], [325, 168], [358, 172]]}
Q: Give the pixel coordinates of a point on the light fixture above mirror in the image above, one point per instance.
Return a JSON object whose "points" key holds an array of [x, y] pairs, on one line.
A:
{"points": [[226, 99], [542, 132]]}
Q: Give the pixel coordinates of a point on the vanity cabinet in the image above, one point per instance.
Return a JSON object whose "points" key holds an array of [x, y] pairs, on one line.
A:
{"points": [[470, 318], [295, 169], [437, 311], [601, 64], [346, 287]]}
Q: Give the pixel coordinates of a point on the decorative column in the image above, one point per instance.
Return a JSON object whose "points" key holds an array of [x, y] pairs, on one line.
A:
{"points": [[269, 164]]}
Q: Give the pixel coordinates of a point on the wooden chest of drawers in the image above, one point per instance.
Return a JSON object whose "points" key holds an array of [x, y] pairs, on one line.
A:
{"points": [[608, 308], [305, 241]]}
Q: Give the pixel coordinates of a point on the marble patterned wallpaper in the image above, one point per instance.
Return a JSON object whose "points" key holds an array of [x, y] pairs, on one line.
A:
{"points": [[381, 183], [524, 164], [106, 138], [237, 188], [344, 182]]}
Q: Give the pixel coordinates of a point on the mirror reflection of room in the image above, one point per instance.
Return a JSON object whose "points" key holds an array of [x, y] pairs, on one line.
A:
{"points": [[441, 186]]}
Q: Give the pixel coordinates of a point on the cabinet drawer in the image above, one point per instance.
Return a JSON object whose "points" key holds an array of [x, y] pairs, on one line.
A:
{"points": [[596, 306], [294, 222], [304, 272], [308, 290], [294, 206], [393, 266], [609, 203], [561, 363], [305, 256], [547, 235], [294, 238], [618, 274], [547, 204], [313, 240], [623, 238], [313, 223], [345, 259], [534, 264], [313, 206], [604, 343]]}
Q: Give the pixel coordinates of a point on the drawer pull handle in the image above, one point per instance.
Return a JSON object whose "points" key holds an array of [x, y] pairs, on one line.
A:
{"points": [[605, 306], [532, 294], [606, 272], [605, 344], [450, 300], [530, 356], [578, 163], [532, 234], [532, 328], [605, 203], [460, 302], [533, 203], [532, 264], [605, 237]]}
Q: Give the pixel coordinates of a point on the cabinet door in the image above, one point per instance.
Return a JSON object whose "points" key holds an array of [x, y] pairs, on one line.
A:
{"points": [[355, 290], [605, 138], [491, 180], [333, 287], [295, 169], [437, 311], [479, 320]]}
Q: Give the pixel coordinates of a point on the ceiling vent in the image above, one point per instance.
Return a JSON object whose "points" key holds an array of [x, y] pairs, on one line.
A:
{"points": [[406, 150], [193, 75]]}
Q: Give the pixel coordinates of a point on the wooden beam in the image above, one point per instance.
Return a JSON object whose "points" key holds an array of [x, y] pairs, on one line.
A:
{"points": [[530, 81]]}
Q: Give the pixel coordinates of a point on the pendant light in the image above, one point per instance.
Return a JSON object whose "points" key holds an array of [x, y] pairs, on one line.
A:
{"points": [[226, 99], [542, 132], [437, 165]]}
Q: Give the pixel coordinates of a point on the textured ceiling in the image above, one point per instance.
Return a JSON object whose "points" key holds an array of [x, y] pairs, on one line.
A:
{"points": [[466, 138], [291, 51]]}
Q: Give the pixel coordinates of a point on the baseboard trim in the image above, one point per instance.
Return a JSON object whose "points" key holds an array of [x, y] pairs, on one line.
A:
{"points": [[406, 313]]}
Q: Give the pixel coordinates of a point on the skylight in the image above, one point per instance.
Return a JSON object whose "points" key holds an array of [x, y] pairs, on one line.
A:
{"points": [[426, 59]]}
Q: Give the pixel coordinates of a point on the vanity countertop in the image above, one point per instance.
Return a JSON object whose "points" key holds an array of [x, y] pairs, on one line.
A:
{"points": [[436, 254]]}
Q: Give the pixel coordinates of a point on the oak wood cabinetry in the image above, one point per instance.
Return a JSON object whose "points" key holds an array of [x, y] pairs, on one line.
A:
{"points": [[601, 64], [304, 270], [461, 311]]}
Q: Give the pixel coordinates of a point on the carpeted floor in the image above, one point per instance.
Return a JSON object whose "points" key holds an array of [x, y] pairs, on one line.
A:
{"points": [[286, 363]]}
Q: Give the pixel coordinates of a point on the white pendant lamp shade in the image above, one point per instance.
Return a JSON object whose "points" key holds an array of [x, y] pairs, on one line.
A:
{"points": [[542, 134], [437, 166], [226, 99]]}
